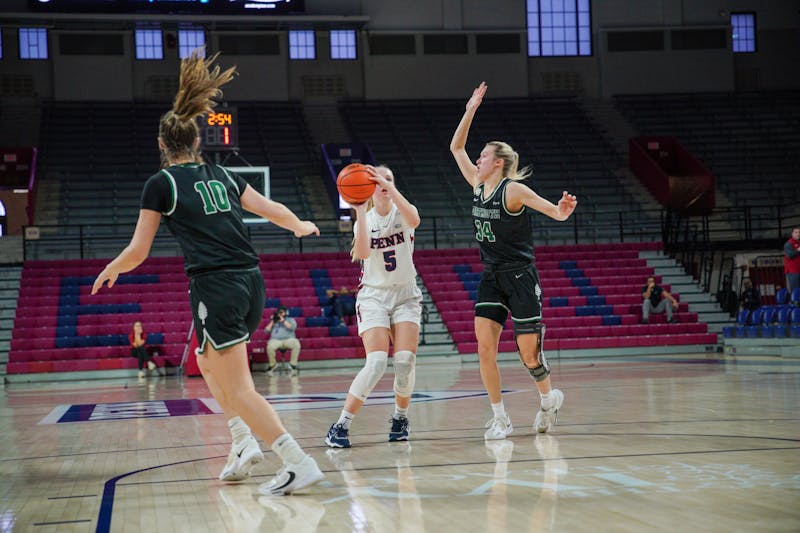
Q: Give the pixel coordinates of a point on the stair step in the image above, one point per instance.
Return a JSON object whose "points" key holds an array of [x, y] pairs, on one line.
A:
{"points": [[684, 288], [716, 317], [699, 297], [707, 307]]}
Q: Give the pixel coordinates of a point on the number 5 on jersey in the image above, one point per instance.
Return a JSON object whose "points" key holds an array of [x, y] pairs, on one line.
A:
{"points": [[484, 231], [214, 196]]}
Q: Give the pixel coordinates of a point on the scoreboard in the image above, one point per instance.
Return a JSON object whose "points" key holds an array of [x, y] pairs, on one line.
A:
{"points": [[219, 130], [206, 7]]}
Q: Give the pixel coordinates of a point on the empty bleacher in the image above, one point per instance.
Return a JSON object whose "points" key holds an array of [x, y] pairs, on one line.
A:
{"points": [[591, 298], [101, 153], [553, 135], [60, 327], [747, 140]]}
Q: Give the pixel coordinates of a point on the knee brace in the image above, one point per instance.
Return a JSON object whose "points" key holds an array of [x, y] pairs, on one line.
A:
{"points": [[404, 373], [370, 375], [540, 372]]}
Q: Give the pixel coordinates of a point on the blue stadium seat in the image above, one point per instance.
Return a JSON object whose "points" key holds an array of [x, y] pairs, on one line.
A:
{"points": [[781, 296], [794, 323], [741, 323], [316, 321], [767, 319], [752, 330], [338, 331]]}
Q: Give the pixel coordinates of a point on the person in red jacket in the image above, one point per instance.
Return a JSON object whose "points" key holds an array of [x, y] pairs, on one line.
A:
{"points": [[791, 260], [138, 342]]}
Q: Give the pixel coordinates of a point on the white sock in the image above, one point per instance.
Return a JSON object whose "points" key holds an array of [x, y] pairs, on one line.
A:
{"points": [[499, 409], [400, 413], [345, 419], [239, 430], [547, 400], [288, 450]]}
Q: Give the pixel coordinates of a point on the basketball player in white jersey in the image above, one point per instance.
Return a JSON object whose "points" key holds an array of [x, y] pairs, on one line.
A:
{"points": [[388, 305]]}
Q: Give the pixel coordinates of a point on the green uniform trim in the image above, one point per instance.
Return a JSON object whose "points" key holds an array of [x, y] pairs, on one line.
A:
{"points": [[505, 208], [233, 181], [174, 188]]}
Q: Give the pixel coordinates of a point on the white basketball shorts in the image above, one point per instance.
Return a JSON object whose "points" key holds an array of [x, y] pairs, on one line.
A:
{"points": [[382, 307]]}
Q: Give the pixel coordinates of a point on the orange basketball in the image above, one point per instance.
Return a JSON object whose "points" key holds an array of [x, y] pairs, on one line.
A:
{"points": [[354, 184]]}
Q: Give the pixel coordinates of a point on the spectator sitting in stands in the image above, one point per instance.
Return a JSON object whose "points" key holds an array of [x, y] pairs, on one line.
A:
{"points": [[791, 260], [750, 299], [282, 337], [655, 300], [343, 302], [138, 342]]}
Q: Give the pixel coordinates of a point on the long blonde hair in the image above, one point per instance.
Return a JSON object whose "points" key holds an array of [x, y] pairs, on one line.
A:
{"points": [[510, 161], [199, 86]]}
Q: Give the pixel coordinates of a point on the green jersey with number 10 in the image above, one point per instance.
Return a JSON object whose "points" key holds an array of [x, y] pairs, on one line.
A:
{"points": [[202, 208]]}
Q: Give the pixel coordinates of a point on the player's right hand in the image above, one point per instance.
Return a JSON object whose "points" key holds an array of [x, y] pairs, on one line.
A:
{"points": [[306, 228]]}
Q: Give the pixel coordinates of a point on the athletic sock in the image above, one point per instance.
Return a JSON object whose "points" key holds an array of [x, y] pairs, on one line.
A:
{"points": [[288, 450], [400, 413], [499, 409], [547, 400], [239, 430], [345, 419]]}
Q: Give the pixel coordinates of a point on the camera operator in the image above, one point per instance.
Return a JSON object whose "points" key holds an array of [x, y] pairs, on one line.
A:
{"points": [[282, 328]]}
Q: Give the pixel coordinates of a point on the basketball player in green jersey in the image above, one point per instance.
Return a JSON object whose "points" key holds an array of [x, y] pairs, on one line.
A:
{"points": [[202, 206], [510, 282]]}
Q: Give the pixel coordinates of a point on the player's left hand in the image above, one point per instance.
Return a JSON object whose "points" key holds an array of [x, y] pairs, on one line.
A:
{"points": [[567, 204], [106, 275], [380, 179]]}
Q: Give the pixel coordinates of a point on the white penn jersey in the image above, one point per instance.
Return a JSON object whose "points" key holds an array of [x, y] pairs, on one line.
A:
{"points": [[390, 262]]}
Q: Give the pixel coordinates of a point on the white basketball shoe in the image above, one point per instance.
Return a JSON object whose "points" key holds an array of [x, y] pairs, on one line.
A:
{"points": [[292, 477], [546, 418], [499, 428], [241, 460]]}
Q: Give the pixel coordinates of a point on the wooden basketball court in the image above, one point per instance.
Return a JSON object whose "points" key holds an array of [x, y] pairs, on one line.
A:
{"points": [[709, 443]]}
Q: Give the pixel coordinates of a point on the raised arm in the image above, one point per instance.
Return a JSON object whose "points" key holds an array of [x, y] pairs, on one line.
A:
{"points": [[404, 207], [135, 253], [459, 142], [518, 195], [276, 213]]}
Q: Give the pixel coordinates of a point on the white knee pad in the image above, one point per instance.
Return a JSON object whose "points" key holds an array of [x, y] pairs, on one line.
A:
{"points": [[370, 375], [404, 373]]}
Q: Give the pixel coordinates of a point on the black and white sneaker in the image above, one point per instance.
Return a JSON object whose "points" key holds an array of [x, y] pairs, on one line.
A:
{"points": [[292, 477], [241, 460]]}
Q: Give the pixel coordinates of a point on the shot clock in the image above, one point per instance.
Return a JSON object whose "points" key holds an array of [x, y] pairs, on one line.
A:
{"points": [[219, 130]]}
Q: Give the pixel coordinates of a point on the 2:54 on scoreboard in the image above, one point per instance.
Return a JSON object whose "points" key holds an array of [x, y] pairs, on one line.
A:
{"points": [[219, 130]]}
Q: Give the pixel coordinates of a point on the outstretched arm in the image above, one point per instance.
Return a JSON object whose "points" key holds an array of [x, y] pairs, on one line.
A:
{"points": [[135, 253], [518, 195], [459, 142], [277, 213]]}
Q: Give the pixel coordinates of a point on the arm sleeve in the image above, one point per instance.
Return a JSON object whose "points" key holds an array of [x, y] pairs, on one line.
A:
{"points": [[157, 194], [240, 181], [789, 250]]}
